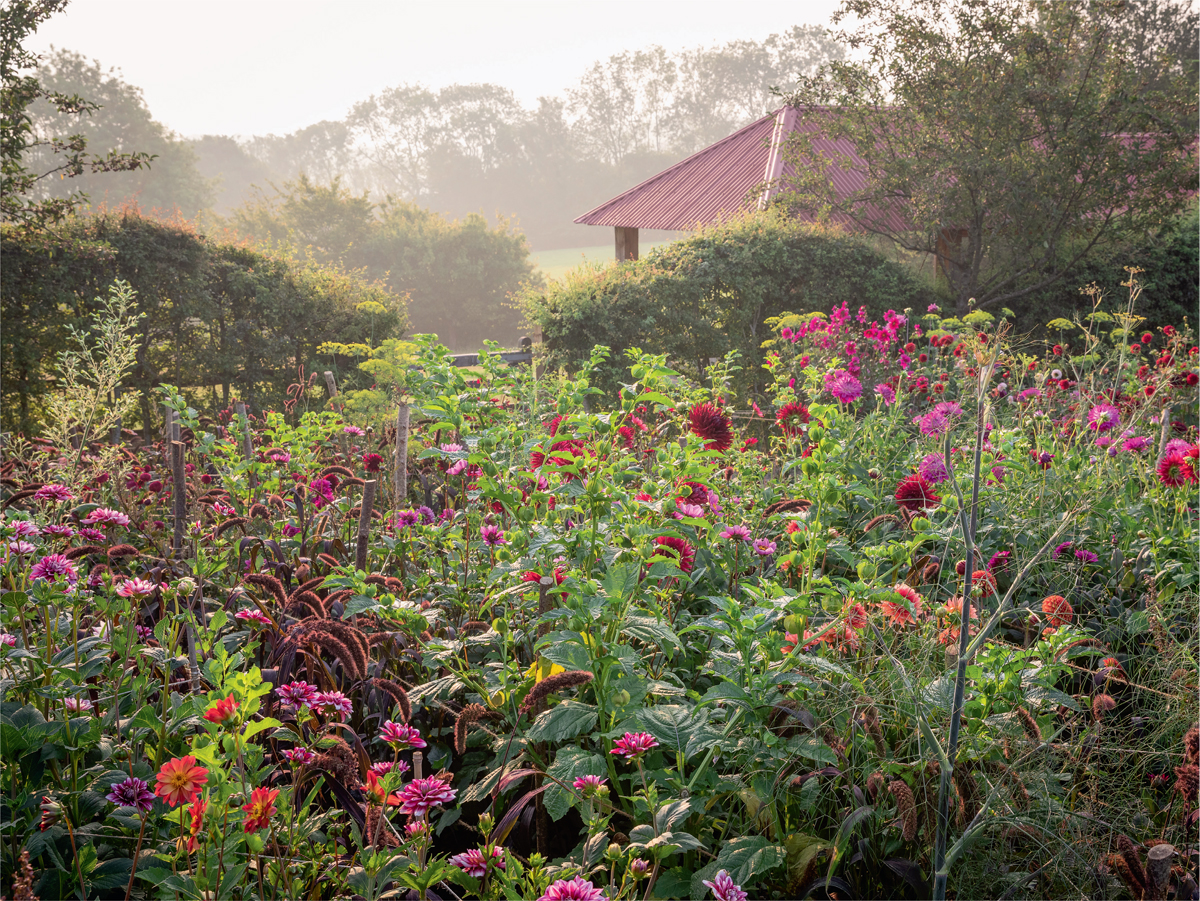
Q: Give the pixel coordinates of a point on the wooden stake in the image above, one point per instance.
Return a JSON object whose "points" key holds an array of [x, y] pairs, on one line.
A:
{"points": [[180, 494], [401, 474], [339, 407], [1158, 871], [364, 524], [247, 442]]}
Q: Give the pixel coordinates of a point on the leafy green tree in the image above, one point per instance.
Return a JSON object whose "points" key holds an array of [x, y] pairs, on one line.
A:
{"points": [[233, 171], [220, 319], [68, 156], [1013, 137]]}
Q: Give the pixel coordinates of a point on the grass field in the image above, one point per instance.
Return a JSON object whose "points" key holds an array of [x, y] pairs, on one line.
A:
{"points": [[554, 264]]}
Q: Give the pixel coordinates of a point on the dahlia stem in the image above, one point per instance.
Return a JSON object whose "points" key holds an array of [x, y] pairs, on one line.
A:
{"points": [[136, 854]]}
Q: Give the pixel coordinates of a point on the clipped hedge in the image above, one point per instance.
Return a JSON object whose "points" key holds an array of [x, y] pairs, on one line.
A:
{"points": [[710, 293]]}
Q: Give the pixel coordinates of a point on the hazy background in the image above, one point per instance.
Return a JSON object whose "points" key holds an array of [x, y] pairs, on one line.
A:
{"points": [[529, 113], [247, 67]]}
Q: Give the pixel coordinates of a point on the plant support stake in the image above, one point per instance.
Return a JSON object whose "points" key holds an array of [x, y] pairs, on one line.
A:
{"points": [[401, 474], [364, 524], [340, 408]]}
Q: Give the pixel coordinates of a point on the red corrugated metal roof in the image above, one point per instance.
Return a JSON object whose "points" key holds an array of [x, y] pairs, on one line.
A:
{"points": [[721, 179]]}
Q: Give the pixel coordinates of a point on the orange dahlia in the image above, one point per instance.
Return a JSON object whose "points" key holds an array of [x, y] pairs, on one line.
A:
{"points": [[260, 808], [1058, 609]]}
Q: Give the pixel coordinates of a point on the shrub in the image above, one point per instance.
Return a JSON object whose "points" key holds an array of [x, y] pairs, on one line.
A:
{"points": [[699, 298]]}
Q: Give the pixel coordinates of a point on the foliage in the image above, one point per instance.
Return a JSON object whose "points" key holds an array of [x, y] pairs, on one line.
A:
{"points": [[713, 292], [457, 275], [1014, 138], [66, 156], [216, 315]]}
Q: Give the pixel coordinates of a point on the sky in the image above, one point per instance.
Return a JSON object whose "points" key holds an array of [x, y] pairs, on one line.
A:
{"points": [[254, 67]]}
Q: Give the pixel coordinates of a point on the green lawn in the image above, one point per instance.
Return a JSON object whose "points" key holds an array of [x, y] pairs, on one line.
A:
{"points": [[554, 264]]}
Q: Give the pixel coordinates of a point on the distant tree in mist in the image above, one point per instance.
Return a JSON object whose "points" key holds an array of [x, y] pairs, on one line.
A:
{"points": [[457, 274], [121, 123]]}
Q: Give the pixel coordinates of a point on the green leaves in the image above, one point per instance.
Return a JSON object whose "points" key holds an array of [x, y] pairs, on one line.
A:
{"points": [[563, 722]]}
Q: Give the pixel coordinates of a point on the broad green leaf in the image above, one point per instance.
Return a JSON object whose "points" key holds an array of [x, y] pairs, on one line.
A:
{"points": [[563, 722]]}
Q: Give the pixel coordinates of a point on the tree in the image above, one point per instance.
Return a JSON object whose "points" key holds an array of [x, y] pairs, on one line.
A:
{"points": [[1012, 137], [457, 274], [18, 20], [120, 120]]}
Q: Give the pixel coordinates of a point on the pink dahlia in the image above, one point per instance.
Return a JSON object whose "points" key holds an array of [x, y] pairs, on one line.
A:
{"points": [[401, 736], [104, 516], [1103, 417], [421, 795], [58, 493], [633, 745], [577, 889], [724, 888], [843, 386], [475, 862], [51, 567]]}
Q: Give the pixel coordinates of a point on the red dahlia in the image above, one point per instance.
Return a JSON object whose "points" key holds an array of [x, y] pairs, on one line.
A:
{"points": [[685, 552], [709, 423], [914, 493], [792, 419]]}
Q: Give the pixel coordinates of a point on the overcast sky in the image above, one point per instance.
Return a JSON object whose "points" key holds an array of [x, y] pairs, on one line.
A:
{"points": [[243, 67]]}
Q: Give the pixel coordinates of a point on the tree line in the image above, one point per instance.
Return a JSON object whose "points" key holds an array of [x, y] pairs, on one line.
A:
{"points": [[456, 150]]}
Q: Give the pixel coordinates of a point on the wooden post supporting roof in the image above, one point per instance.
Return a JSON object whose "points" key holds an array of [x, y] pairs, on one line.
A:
{"points": [[627, 243]]}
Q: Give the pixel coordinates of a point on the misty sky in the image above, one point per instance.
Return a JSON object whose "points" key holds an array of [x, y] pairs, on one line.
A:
{"points": [[245, 67]]}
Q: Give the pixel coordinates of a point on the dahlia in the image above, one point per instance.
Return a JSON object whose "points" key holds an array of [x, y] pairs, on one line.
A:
{"points": [[136, 588], [724, 888], [180, 780], [899, 614], [104, 516], [577, 889], [886, 393], [1103, 417], [223, 711], [792, 419], [333, 702], [196, 822], [933, 469], [372, 462], [684, 556], [300, 756], [1174, 471], [633, 745], [709, 423], [736, 533], [50, 567], [133, 792], [260, 809], [401, 737], [58, 493], [295, 695], [1084, 556], [493, 536], [915, 493], [475, 862], [843, 386], [421, 795], [764, 547], [1058, 610], [590, 785]]}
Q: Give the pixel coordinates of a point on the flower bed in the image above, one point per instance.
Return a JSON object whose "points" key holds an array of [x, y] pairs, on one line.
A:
{"points": [[682, 647]]}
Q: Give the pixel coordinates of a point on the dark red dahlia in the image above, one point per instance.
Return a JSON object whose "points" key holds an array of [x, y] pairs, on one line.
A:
{"points": [[372, 462], [709, 423], [914, 493], [792, 418], [697, 493], [684, 552]]}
